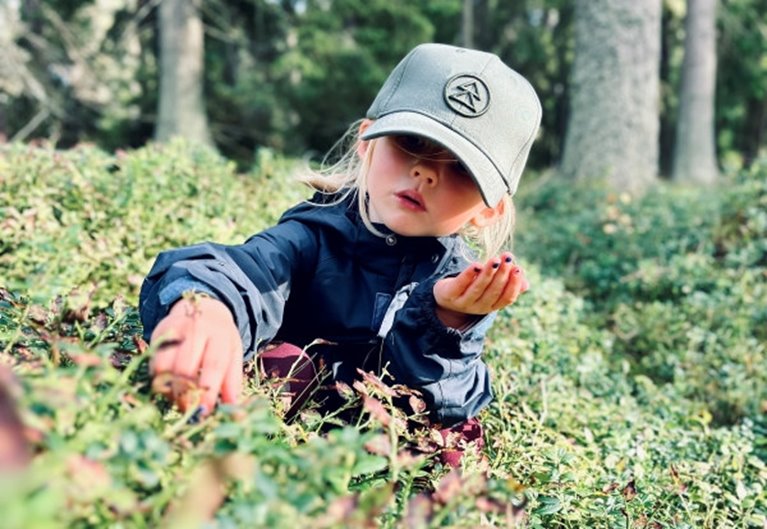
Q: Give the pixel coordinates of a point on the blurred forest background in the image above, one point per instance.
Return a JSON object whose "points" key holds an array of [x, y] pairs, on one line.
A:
{"points": [[290, 75]]}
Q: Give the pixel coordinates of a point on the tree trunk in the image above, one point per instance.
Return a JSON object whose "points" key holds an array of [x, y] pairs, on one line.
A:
{"points": [[612, 134], [753, 129], [9, 15], [181, 109], [694, 150], [483, 31], [467, 24]]}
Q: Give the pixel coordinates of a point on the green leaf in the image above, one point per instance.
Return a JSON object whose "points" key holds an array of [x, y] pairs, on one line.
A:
{"points": [[548, 505]]}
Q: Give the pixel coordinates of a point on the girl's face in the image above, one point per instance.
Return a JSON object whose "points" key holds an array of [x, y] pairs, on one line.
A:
{"points": [[417, 188]]}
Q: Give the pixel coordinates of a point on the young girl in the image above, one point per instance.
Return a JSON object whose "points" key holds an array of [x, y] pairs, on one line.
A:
{"points": [[377, 268]]}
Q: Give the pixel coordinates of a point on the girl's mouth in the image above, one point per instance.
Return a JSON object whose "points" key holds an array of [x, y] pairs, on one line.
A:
{"points": [[411, 200]]}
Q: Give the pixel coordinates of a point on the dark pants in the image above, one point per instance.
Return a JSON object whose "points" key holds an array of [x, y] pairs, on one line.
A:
{"points": [[291, 363]]}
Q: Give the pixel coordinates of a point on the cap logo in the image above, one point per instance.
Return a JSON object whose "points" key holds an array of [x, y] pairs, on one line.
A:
{"points": [[467, 95]]}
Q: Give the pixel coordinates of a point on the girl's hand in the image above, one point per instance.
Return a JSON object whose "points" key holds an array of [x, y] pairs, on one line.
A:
{"points": [[479, 290], [200, 346]]}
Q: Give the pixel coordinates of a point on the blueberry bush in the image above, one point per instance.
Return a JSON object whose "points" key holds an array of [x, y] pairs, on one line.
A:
{"points": [[630, 380]]}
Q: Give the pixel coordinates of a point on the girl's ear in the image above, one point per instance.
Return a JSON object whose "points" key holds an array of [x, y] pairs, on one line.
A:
{"points": [[362, 145], [488, 216]]}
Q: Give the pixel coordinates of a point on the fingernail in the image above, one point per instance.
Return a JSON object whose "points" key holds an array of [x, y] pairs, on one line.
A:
{"points": [[508, 259], [515, 270], [477, 269], [197, 415], [496, 264]]}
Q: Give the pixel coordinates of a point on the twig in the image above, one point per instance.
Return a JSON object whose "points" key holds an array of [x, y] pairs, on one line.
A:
{"points": [[30, 127]]}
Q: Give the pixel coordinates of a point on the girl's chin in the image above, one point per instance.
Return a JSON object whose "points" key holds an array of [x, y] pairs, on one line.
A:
{"points": [[408, 230]]}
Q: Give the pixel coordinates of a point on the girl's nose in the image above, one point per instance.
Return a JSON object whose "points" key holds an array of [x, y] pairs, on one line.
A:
{"points": [[427, 171]]}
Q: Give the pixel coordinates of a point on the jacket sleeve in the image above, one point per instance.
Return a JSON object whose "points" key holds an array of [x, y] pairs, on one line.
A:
{"points": [[444, 364], [253, 279]]}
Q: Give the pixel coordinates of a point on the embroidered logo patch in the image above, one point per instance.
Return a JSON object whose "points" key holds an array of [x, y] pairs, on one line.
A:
{"points": [[467, 95]]}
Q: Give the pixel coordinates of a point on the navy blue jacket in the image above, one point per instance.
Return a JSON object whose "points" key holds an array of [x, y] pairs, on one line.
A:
{"points": [[320, 273]]}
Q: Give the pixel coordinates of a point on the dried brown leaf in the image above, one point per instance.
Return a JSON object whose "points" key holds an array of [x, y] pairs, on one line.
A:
{"points": [[376, 383], [376, 410], [120, 359], [417, 404], [206, 491], [418, 512], [37, 314], [86, 359], [407, 458], [629, 491], [78, 305], [100, 322], [340, 509], [184, 390], [379, 445], [344, 390], [448, 487], [87, 473], [485, 504]]}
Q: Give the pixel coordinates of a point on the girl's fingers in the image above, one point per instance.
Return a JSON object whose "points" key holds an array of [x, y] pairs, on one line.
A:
{"points": [[483, 281], [214, 368], [232, 384], [464, 280], [199, 355], [512, 289], [450, 290], [168, 339], [502, 267], [481, 289], [190, 352]]}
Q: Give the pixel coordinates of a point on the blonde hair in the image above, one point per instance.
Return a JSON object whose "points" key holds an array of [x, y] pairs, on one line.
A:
{"points": [[343, 172]]}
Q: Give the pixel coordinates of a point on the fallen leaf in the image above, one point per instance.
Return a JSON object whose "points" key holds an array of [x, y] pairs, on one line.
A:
{"points": [[140, 344], [629, 491]]}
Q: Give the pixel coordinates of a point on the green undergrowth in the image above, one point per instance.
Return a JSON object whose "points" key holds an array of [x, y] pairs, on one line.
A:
{"points": [[630, 380]]}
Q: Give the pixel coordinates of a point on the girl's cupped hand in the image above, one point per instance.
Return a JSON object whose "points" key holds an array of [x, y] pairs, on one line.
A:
{"points": [[480, 289]]}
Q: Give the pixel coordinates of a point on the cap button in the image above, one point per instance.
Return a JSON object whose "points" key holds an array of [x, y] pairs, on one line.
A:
{"points": [[391, 239]]}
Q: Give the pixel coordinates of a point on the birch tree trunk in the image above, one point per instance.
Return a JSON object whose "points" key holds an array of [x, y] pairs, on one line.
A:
{"points": [[181, 109], [612, 134], [694, 148]]}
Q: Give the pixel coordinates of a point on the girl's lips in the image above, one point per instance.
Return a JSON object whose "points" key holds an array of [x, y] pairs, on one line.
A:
{"points": [[411, 200]]}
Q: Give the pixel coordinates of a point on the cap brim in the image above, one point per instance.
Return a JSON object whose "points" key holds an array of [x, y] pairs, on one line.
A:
{"points": [[485, 173]]}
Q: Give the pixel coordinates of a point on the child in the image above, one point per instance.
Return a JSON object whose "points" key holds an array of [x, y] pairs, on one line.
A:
{"points": [[376, 264]]}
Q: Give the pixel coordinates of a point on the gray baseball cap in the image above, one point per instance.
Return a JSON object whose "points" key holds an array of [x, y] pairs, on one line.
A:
{"points": [[469, 102]]}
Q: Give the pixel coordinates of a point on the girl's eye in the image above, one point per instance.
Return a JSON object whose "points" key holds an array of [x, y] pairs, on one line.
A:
{"points": [[425, 149], [460, 169], [415, 145]]}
